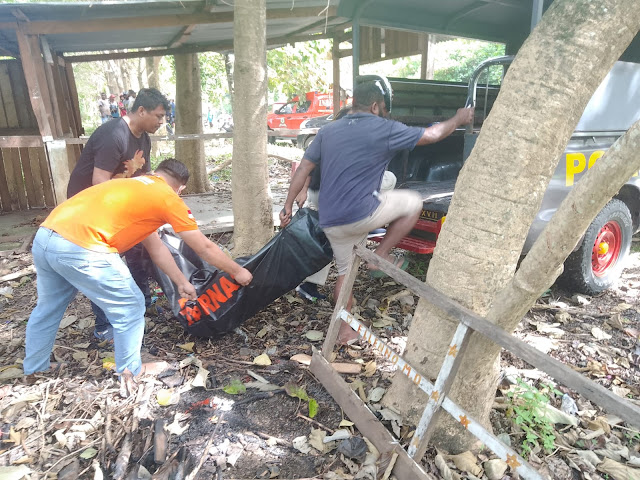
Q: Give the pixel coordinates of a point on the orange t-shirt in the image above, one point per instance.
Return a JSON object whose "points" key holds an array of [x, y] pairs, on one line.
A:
{"points": [[114, 216]]}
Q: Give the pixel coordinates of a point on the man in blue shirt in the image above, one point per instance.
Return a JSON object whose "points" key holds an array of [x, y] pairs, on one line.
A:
{"points": [[355, 151]]}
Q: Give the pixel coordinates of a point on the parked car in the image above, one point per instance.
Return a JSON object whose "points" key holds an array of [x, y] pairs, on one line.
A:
{"points": [[309, 128]]}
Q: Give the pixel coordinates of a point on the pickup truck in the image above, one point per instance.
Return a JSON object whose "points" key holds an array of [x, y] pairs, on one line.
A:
{"points": [[296, 111], [432, 170]]}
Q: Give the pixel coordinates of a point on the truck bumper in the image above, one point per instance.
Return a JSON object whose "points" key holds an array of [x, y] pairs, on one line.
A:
{"points": [[422, 238]]}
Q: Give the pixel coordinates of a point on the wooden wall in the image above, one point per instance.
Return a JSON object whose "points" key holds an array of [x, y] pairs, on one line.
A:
{"points": [[25, 172], [396, 44]]}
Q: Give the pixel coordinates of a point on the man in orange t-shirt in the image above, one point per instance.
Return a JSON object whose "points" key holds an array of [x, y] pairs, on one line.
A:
{"points": [[78, 247]]}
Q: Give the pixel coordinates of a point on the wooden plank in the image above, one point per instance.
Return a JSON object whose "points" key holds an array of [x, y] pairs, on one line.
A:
{"points": [[5, 196], [59, 168], [26, 118], [29, 187], [45, 174], [36, 174], [51, 87], [4, 123], [446, 376], [8, 155], [33, 85], [39, 66], [335, 56], [341, 303], [19, 180], [22, 141], [405, 468], [591, 390], [72, 94], [8, 98], [182, 36]]}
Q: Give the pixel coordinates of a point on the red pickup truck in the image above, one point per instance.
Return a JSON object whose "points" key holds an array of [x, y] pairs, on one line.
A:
{"points": [[292, 114]]}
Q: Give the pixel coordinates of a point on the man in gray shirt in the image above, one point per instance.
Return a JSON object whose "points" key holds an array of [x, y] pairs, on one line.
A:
{"points": [[354, 152]]}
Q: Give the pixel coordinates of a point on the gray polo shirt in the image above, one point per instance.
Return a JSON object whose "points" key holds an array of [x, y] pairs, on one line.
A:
{"points": [[354, 152]]}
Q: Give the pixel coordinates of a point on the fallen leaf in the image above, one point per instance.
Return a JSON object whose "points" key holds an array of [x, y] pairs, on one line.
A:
{"points": [[263, 332], [235, 387], [620, 391], [313, 407], [617, 470], [316, 440], [302, 358], [66, 321], [25, 423], [295, 391], [621, 307], [314, 335], [346, 423], [301, 444], [262, 360], [80, 356], [82, 345], [11, 373], [600, 334], [200, 380], [376, 394], [370, 368], [616, 321], [551, 329], [467, 462], [14, 473], [109, 363], [187, 346], [174, 427], [88, 453], [262, 387], [164, 396]]}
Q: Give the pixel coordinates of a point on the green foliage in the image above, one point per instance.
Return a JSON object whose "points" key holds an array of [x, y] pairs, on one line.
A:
{"points": [[297, 69], [235, 387], [295, 391], [527, 407], [213, 78], [463, 56], [418, 265]]}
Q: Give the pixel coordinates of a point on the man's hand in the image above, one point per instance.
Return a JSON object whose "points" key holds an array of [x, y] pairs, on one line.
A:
{"points": [[188, 291], [243, 277], [285, 216], [134, 164], [464, 116], [301, 198]]}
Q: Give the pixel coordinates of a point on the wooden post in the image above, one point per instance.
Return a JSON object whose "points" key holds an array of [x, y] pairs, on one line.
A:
{"points": [[426, 64], [35, 93], [47, 64], [335, 55], [59, 167]]}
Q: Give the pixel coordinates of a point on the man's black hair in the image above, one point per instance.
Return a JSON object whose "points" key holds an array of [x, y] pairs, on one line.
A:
{"points": [[150, 99], [365, 94], [176, 169]]}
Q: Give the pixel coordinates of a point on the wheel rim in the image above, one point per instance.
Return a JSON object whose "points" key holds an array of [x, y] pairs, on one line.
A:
{"points": [[606, 248]]}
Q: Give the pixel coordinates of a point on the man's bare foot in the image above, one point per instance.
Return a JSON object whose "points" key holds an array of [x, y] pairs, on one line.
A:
{"points": [[346, 335]]}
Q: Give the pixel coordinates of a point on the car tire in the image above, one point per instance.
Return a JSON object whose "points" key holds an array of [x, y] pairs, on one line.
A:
{"points": [[308, 141], [597, 264]]}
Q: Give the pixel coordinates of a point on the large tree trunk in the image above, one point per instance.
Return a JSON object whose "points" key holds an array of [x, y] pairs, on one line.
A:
{"points": [[189, 120], [153, 71], [541, 100], [252, 211]]}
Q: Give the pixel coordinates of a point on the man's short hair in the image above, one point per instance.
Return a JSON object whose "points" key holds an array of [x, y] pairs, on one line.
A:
{"points": [[174, 168], [367, 93], [150, 99]]}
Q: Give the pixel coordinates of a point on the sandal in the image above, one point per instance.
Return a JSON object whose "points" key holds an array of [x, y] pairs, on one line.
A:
{"points": [[398, 260]]}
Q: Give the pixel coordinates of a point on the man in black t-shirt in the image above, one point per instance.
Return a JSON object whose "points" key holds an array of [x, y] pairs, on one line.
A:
{"points": [[121, 147]]}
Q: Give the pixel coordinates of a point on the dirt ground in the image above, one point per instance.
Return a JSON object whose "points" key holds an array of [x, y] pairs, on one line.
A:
{"points": [[248, 420]]}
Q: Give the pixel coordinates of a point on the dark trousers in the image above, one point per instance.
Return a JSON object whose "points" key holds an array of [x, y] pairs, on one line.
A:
{"points": [[138, 262]]}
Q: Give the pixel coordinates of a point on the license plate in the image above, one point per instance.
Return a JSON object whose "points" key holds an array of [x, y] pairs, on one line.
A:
{"points": [[431, 215]]}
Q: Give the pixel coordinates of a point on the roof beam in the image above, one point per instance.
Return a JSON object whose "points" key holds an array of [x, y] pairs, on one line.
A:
{"points": [[182, 36], [42, 27], [160, 52], [19, 14]]}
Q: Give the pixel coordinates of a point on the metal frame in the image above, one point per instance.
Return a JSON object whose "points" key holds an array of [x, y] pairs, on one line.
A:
{"points": [[468, 322]]}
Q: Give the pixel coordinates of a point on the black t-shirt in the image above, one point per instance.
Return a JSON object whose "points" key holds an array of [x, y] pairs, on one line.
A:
{"points": [[111, 144], [314, 183]]}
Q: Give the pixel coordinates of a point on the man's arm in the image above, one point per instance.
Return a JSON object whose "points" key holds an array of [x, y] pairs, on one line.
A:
{"points": [[100, 175], [441, 130], [302, 196], [161, 256], [297, 183], [211, 253]]}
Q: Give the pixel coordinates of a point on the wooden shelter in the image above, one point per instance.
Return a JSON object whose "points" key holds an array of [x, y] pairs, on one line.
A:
{"points": [[39, 111]]}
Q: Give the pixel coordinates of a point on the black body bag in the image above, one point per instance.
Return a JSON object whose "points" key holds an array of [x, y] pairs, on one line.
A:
{"points": [[296, 252]]}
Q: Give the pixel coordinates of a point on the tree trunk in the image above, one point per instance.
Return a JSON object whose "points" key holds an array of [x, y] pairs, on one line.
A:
{"points": [[228, 68], [189, 120], [153, 71], [140, 70], [252, 210], [542, 97]]}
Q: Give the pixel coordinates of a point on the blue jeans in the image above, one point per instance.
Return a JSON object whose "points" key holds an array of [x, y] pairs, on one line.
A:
{"points": [[63, 269], [137, 261]]}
